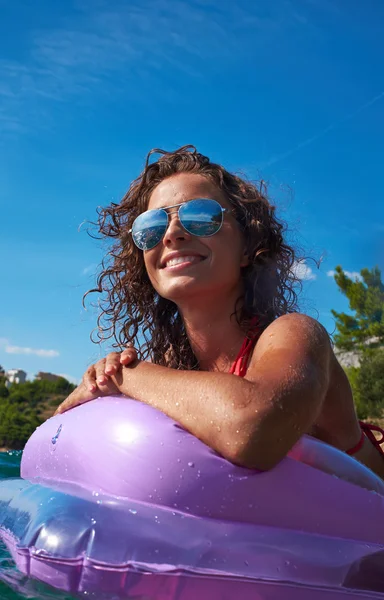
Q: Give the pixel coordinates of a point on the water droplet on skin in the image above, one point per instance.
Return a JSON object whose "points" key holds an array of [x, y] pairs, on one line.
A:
{"points": [[158, 468], [93, 521], [177, 404], [219, 428], [191, 464], [179, 460], [133, 511]]}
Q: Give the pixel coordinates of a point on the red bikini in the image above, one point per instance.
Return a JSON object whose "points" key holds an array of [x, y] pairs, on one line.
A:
{"points": [[240, 367]]}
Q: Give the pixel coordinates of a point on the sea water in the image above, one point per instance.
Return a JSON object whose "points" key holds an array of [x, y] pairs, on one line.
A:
{"points": [[13, 584]]}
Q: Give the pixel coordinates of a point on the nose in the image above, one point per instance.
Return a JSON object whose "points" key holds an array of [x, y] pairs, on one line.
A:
{"points": [[175, 231]]}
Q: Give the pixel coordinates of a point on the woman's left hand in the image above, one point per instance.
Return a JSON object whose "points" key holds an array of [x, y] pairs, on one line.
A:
{"points": [[83, 393]]}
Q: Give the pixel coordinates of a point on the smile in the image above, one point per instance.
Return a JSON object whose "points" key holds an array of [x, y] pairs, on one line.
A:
{"points": [[182, 261]]}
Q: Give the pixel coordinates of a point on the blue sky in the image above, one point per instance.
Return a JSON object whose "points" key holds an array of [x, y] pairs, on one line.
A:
{"points": [[290, 90]]}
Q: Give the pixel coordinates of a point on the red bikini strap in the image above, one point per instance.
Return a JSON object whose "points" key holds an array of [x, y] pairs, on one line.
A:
{"points": [[367, 430], [358, 446], [240, 365]]}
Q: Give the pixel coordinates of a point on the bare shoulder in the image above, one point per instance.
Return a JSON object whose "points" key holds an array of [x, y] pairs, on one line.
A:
{"points": [[296, 331]]}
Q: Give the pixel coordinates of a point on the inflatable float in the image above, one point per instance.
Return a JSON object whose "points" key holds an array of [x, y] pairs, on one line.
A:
{"points": [[117, 500]]}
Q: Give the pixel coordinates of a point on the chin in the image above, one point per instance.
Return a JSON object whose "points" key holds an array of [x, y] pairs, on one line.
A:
{"points": [[183, 289]]}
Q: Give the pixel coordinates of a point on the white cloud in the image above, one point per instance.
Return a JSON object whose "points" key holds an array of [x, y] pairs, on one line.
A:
{"points": [[302, 271], [351, 274], [35, 351]]}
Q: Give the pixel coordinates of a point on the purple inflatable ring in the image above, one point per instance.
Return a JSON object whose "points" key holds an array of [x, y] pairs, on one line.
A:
{"points": [[118, 499]]}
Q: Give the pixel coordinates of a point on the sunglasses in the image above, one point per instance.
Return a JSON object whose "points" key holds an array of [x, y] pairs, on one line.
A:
{"points": [[202, 217]]}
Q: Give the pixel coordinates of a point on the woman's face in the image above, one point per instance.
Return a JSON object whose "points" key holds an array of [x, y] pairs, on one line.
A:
{"points": [[209, 266]]}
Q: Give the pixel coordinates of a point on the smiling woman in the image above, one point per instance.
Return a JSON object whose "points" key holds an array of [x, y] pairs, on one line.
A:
{"points": [[201, 269], [152, 482], [269, 281]]}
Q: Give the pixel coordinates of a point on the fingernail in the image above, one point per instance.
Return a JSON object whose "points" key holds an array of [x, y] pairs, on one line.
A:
{"points": [[101, 380]]}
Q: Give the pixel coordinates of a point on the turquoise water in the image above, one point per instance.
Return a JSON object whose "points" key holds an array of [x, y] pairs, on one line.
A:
{"points": [[14, 585]]}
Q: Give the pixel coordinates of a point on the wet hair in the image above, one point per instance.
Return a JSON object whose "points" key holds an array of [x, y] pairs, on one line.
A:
{"points": [[132, 312]]}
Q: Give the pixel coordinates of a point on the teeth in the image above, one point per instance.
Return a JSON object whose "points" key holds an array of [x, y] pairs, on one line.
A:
{"points": [[181, 259]]}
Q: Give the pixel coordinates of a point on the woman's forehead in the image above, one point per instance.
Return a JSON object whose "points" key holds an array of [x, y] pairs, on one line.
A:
{"points": [[183, 187]]}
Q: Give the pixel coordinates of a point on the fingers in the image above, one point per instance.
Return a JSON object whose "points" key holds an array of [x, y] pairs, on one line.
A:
{"points": [[128, 355], [97, 375], [79, 396], [89, 379], [112, 363]]}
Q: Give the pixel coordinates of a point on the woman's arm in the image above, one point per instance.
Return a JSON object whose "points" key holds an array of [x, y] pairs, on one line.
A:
{"points": [[253, 421]]}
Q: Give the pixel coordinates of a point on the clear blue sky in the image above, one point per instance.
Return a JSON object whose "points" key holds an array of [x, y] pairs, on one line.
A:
{"points": [[291, 90]]}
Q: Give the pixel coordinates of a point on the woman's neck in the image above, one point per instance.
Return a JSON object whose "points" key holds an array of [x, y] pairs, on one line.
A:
{"points": [[214, 335]]}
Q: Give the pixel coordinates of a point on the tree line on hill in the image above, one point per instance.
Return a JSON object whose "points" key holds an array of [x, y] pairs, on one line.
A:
{"points": [[24, 406]]}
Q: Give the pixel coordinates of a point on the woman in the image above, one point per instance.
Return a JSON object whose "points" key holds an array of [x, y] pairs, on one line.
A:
{"points": [[201, 266]]}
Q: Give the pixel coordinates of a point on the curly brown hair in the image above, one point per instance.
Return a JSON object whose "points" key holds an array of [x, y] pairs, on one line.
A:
{"points": [[132, 312]]}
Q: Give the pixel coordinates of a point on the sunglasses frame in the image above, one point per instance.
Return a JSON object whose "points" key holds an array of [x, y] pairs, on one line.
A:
{"points": [[167, 210]]}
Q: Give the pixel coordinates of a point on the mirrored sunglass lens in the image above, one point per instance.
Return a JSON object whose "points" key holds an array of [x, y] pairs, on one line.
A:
{"points": [[149, 228], [201, 217]]}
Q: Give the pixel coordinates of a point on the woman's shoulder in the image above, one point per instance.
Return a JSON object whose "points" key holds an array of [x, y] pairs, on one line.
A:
{"points": [[297, 322], [298, 332]]}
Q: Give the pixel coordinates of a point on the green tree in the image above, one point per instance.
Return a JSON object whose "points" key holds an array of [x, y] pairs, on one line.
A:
{"points": [[365, 326], [370, 384], [362, 331], [4, 392], [15, 426], [24, 406]]}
